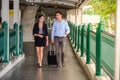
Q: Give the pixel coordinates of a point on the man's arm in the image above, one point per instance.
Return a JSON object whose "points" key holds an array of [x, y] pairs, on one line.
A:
{"points": [[53, 33], [67, 29]]}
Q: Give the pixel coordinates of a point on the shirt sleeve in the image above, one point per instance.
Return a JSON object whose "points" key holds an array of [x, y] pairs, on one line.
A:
{"points": [[46, 30], [67, 28], [53, 32]]}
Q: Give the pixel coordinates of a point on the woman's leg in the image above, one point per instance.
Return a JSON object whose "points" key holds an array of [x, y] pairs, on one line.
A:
{"points": [[38, 53], [41, 55]]}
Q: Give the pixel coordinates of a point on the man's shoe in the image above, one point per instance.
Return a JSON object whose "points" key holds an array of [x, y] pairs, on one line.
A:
{"points": [[63, 64]]}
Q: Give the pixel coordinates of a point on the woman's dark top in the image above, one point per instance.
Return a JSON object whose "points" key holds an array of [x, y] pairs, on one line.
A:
{"points": [[40, 42]]}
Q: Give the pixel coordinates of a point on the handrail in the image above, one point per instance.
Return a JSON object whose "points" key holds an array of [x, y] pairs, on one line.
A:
{"points": [[87, 40], [11, 41]]}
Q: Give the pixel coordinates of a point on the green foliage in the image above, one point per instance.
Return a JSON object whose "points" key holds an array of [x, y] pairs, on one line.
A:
{"points": [[103, 7]]}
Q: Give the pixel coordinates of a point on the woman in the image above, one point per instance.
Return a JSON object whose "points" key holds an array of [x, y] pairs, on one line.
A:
{"points": [[40, 33]]}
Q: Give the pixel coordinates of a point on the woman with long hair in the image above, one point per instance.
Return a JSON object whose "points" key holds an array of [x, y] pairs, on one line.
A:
{"points": [[40, 33]]}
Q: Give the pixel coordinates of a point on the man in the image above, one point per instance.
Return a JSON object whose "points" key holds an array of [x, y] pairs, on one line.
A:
{"points": [[60, 30]]}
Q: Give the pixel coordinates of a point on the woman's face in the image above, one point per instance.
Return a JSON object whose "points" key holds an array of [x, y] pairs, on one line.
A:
{"points": [[41, 19]]}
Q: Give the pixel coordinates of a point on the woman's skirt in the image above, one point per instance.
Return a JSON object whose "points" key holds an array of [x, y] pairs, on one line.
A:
{"points": [[40, 42]]}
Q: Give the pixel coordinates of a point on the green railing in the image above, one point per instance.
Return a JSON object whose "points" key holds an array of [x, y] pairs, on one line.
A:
{"points": [[98, 46], [21, 40], [1, 42], [11, 41]]}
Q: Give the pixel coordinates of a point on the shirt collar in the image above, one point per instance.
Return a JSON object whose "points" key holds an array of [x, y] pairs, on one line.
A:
{"points": [[60, 21]]}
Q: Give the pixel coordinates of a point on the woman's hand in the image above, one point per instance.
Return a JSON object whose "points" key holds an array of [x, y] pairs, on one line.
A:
{"points": [[41, 36], [47, 43]]}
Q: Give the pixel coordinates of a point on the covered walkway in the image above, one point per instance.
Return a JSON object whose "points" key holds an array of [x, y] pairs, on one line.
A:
{"points": [[90, 54]]}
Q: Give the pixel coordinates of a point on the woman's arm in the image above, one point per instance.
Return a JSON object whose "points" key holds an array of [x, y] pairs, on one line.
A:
{"points": [[46, 38], [47, 42], [35, 31], [46, 35]]}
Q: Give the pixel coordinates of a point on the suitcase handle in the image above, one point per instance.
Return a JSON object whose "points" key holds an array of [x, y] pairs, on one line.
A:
{"points": [[50, 48]]}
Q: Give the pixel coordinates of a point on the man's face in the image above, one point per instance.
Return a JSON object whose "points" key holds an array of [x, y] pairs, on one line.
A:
{"points": [[58, 16]]}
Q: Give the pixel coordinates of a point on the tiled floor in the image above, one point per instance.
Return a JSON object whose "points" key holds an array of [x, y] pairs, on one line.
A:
{"points": [[28, 70]]}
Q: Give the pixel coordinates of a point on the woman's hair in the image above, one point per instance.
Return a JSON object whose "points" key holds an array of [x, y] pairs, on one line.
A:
{"points": [[41, 16]]}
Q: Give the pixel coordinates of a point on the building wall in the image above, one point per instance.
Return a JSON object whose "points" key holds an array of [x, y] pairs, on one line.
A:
{"points": [[75, 16]]}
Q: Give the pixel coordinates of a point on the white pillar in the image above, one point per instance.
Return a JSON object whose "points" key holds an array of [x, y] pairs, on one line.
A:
{"points": [[117, 44], [11, 16], [72, 15], [76, 16], [79, 16], [5, 17], [28, 21], [16, 18], [16, 12], [5, 11]]}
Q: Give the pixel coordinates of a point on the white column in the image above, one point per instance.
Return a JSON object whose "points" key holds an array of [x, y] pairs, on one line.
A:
{"points": [[79, 16], [11, 16], [76, 16], [16, 18], [5, 11], [5, 17], [28, 21], [16, 12], [117, 44]]}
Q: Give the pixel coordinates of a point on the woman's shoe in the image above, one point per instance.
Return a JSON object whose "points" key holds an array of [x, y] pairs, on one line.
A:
{"points": [[40, 66], [63, 64]]}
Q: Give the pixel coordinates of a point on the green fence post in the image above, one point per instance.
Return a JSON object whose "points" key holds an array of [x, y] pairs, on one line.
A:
{"points": [[82, 41], [73, 34], [88, 45], [6, 41], [98, 50], [78, 45], [70, 30], [17, 39], [75, 37], [21, 39]]}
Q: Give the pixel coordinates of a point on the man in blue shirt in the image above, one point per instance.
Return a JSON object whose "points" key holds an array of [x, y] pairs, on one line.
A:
{"points": [[60, 30]]}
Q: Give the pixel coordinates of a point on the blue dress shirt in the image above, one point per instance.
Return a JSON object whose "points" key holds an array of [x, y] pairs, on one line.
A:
{"points": [[59, 29]]}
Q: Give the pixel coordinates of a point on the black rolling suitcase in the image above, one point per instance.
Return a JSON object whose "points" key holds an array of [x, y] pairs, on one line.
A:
{"points": [[51, 57]]}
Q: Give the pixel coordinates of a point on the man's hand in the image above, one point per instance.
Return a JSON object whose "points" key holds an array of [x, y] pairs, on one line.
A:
{"points": [[52, 41], [66, 33]]}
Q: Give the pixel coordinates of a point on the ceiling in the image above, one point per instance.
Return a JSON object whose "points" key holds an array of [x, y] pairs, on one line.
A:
{"points": [[64, 4], [51, 6]]}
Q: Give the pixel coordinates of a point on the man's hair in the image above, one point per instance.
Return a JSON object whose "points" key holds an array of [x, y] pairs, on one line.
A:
{"points": [[59, 12]]}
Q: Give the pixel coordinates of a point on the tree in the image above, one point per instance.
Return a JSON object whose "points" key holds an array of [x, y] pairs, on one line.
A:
{"points": [[106, 9]]}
